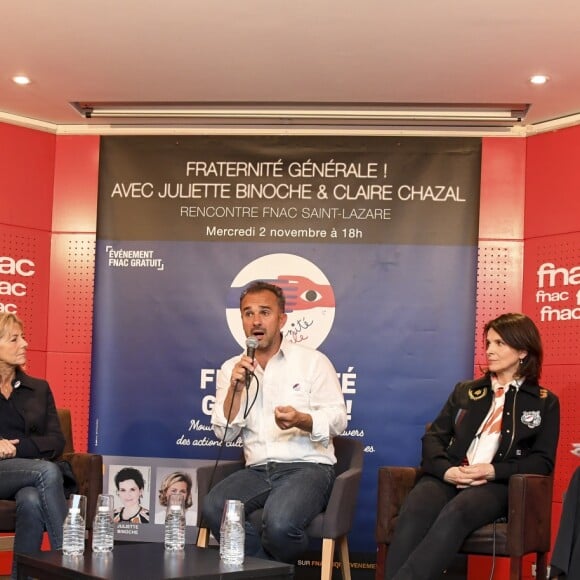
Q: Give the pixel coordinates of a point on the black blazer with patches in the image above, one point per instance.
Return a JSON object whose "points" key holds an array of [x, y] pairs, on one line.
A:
{"points": [[33, 399], [529, 437]]}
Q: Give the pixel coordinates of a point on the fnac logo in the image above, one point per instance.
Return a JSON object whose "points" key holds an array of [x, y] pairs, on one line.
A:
{"points": [[10, 266], [12, 289], [310, 303]]}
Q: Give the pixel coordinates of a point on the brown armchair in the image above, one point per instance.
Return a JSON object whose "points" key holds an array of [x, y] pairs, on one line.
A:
{"points": [[88, 471], [333, 524], [526, 531]]}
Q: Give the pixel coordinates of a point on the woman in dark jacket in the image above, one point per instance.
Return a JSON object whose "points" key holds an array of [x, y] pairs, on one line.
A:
{"points": [[29, 433], [489, 429]]}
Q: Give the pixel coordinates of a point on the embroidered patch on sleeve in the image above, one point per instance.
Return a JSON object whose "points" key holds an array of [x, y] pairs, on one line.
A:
{"points": [[476, 393]]}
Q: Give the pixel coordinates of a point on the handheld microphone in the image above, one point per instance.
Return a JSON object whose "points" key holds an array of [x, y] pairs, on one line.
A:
{"points": [[251, 346]]}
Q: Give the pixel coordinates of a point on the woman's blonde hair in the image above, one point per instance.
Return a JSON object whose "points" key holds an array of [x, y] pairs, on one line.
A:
{"points": [[169, 480], [7, 320]]}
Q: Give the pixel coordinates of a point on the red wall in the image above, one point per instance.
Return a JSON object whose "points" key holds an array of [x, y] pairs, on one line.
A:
{"points": [[48, 200], [552, 230], [500, 264], [529, 215], [552, 226], [70, 308], [26, 186]]}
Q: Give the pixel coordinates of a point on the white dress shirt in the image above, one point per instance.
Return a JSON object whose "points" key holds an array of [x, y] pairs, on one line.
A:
{"points": [[297, 376]]}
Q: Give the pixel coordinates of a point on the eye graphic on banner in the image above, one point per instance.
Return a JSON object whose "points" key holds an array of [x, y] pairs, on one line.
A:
{"points": [[310, 303]]}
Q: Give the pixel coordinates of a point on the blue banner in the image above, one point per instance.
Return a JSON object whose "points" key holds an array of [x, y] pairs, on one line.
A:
{"points": [[373, 239]]}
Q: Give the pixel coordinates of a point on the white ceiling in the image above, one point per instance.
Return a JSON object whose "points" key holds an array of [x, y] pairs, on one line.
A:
{"points": [[314, 51]]}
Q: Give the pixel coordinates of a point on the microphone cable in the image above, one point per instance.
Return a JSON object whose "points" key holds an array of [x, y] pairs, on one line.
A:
{"points": [[248, 408], [500, 520], [493, 552]]}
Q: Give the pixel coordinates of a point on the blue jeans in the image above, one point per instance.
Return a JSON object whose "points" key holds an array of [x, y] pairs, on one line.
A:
{"points": [[291, 494], [36, 485], [434, 520]]}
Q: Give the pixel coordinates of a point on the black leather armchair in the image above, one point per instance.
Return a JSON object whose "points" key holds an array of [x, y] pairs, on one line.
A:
{"points": [[526, 531]]}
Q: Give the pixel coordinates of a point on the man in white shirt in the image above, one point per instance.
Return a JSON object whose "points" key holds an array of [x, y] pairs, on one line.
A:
{"points": [[287, 405]]}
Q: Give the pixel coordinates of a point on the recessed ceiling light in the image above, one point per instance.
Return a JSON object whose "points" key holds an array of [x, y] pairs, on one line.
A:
{"points": [[539, 79], [21, 80]]}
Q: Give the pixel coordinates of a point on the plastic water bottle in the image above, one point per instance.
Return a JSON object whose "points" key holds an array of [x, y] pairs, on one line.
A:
{"points": [[73, 541], [174, 529], [232, 539], [232, 533], [103, 530]]}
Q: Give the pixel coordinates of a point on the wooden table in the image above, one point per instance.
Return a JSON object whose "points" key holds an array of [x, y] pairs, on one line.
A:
{"points": [[141, 561]]}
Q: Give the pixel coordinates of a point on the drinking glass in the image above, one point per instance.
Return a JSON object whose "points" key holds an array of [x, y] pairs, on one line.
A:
{"points": [[176, 499], [108, 501], [76, 500], [233, 511]]}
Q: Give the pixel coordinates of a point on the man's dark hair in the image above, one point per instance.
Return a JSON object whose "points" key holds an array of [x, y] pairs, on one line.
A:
{"points": [[259, 286]]}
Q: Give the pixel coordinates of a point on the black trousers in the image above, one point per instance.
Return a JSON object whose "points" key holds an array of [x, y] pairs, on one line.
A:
{"points": [[434, 521], [566, 554]]}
